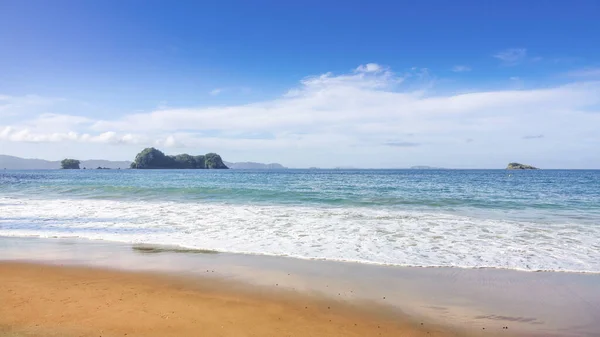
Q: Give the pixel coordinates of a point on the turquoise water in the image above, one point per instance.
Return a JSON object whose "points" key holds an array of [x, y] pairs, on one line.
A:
{"points": [[531, 220]]}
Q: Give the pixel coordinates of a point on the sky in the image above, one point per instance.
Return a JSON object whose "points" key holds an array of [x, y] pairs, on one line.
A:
{"points": [[365, 84]]}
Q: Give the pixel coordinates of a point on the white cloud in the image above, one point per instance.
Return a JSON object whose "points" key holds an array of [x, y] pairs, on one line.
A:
{"points": [[511, 56], [58, 123], [169, 141], [339, 117], [369, 68], [13, 134], [460, 69], [111, 137], [216, 91], [25, 135]]}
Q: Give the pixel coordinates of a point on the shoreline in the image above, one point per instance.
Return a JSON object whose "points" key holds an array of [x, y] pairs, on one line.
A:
{"points": [[191, 250], [467, 300], [166, 248], [50, 300]]}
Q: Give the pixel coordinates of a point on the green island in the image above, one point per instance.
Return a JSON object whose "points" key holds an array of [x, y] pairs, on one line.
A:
{"points": [[518, 166], [69, 164], [151, 158]]}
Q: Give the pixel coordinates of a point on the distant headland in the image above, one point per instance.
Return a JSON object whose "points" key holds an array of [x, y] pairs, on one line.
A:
{"points": [[17, 163], [518, 166], [254, 166], [424, 167]]}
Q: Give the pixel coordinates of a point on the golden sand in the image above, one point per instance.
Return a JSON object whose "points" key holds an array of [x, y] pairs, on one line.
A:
{"points": [[42, 300]]}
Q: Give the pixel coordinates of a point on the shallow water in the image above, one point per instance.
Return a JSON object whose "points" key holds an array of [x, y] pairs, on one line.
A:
{"points": [[529, 220]]}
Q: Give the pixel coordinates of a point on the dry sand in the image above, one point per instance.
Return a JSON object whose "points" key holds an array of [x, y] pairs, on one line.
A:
{"points": [[42, 300]]}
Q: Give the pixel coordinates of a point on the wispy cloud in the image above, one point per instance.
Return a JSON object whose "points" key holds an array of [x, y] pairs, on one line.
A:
{"points": [[586, 72], [533, 137], [216, 91], [512, 56], [12, 105], [402, 144], [460, 69]]}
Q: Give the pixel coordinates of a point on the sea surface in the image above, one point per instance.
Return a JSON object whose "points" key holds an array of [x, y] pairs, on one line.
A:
{"points": [[528, 220]]}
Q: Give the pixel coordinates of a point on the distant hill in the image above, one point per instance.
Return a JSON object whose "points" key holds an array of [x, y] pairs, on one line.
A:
{"points": [[423, 167], [255, 166], [16, 163]]}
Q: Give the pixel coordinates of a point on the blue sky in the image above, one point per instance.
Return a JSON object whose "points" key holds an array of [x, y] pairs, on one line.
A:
{"points": [[315, 83]]}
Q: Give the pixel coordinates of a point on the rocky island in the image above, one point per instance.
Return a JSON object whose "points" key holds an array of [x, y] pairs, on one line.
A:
{"points": [[151, 158], [518, 166], [70, 164]]}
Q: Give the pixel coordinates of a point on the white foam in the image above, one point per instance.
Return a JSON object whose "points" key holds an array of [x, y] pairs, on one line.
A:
{"points": [[352, 234]]}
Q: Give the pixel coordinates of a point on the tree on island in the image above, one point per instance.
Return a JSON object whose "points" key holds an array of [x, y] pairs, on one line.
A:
{"points": [[151, 158], [69, 164]]}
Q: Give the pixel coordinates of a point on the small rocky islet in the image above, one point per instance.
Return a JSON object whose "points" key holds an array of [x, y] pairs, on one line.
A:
{"points": [[519, 166]]}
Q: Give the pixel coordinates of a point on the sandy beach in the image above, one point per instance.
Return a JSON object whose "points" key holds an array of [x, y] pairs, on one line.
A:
{"points": [[42, 300], [73, 287]]}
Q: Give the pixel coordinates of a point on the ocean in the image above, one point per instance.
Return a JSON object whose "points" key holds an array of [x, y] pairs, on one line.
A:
{"points": [[542, 220]]}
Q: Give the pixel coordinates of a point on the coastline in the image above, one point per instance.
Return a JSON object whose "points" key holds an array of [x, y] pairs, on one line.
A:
{"points": [[468, 301]]}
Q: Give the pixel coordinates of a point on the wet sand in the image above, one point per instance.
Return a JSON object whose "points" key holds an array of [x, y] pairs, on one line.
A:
{"points": [[244, 295], [43, 300]]}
